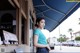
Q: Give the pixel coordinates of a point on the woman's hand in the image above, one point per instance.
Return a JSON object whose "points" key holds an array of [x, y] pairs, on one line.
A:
{"points": [[48, 47]]}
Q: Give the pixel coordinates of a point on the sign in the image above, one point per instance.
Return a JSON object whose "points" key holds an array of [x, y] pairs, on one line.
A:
{"points": [[9, 36]]}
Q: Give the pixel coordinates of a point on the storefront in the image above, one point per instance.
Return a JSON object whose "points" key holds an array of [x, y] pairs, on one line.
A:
{"points": [[18, 17]]}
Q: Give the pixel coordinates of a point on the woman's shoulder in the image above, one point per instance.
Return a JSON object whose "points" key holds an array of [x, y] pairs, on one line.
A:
{"points": [[36, 29]]}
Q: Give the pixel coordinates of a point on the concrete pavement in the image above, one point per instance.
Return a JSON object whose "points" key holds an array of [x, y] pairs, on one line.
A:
{"points": [[66, 49]]}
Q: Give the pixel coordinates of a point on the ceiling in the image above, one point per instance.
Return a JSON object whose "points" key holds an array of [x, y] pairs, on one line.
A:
{"points": [[5, 5], [54, 11]]}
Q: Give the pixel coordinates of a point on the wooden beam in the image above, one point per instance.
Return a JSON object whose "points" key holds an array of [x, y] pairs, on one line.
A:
{"points": [[17, 3], [23, 14], [11, 2]]}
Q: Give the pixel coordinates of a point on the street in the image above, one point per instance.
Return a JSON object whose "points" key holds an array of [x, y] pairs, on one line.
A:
{"points": [[65, 49]]}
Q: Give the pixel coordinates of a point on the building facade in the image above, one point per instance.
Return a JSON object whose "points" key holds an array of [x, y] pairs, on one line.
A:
{"points": [[18, 17]]}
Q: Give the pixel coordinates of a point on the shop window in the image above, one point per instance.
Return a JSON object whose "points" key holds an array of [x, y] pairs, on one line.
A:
{"points": [[31, 33], [6, 23], [23, 30]]}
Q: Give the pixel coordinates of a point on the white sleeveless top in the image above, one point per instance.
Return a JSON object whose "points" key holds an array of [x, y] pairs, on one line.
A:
{"points": [[46, 33]]}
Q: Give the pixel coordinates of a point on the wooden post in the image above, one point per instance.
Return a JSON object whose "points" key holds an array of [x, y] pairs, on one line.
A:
{"points": [[18, 24]]}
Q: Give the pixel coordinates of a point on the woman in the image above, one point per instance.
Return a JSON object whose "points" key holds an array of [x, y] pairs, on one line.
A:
{"points": [[40, 41]]}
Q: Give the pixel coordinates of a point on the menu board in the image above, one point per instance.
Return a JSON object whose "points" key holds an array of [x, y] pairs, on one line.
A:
{"points": [[9, 36]]}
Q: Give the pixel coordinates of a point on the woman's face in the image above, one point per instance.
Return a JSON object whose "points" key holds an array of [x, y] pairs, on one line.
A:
{"points": [[41, 24]]}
